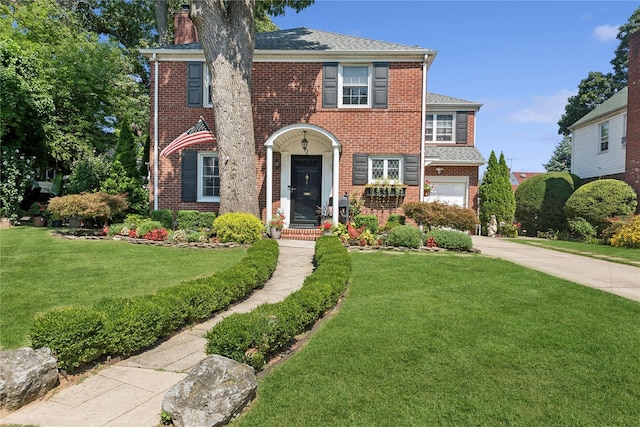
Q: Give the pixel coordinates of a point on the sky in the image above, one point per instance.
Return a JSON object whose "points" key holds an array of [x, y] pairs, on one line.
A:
{"points": [[520, 59]]}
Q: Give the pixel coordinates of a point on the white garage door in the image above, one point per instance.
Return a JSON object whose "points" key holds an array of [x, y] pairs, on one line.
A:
{"points": [[452, 193]]}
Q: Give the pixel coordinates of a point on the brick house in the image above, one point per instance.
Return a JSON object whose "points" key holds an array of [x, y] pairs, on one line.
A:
{"points": [[606, 141], [333, 115]]}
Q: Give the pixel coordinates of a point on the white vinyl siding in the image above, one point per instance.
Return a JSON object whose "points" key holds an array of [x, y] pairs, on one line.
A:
{"points": [[587, 160]]}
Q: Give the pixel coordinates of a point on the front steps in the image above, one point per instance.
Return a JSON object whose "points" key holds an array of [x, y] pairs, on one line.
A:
{"points": [[300, 233]]}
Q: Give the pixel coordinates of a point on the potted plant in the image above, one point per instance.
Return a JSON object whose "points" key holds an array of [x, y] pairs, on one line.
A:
{"points": [[327, 228], [428, 187], [275, 225], [37, 211]]}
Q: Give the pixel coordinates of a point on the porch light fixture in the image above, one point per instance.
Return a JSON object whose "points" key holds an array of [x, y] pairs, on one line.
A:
{"points": [[304, 141]]}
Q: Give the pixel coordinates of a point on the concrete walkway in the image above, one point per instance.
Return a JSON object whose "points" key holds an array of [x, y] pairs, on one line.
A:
{"points": [[618, 279], [130, 393]]}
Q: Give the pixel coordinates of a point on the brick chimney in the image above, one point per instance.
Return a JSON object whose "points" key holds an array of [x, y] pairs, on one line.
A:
{"points": [[184, 30], [632, 169]]}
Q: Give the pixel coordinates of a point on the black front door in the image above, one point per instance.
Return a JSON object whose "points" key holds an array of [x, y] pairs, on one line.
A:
{"points": [[306, 185]]}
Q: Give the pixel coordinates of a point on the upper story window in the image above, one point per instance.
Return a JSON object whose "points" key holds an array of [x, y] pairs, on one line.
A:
{"points": [[604, 136], [387, 168], [198, 85], [355, 84], [208, 177], [439, 127], [206, 88]]}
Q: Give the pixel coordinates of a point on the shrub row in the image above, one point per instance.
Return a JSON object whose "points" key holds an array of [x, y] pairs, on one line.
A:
{"points": [[123, 326], [438, 214], [450, 239], [194, 220], [253, 337]]}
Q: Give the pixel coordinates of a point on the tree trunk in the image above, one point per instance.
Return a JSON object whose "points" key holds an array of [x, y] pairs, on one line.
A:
{"points": [[162, 22], [226, 30]]}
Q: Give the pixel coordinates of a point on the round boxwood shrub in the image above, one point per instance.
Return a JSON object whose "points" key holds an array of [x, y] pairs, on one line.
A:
{"points": [[540, 201], [450, 239], [599, 200], [405, 236], [239, 227]]}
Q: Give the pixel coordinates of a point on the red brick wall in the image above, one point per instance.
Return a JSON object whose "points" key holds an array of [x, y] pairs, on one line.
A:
{"points": [[632, 169], [285, 94]]}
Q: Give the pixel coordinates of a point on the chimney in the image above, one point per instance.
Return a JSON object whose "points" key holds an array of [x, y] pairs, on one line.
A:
{"points": [[184, 29], [632, 169]]}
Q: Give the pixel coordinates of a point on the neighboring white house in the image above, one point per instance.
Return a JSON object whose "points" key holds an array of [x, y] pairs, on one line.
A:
{"points": [[599, 139]]}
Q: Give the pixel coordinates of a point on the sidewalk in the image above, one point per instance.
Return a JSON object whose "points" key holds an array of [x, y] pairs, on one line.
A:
{"points": [[130, 393], [618, 279]]}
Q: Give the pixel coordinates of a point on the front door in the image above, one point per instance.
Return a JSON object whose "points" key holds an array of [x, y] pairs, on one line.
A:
{"points": [[306, 186]]}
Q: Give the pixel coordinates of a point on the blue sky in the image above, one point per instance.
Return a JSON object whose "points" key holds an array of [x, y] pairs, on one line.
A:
{"points": [[520, 59]]}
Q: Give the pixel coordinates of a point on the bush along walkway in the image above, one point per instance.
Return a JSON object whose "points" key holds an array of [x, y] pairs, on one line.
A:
{"points": [[130, 392]]}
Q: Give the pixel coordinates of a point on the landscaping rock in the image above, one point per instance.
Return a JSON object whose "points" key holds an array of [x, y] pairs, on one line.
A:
{"points": [[25, 375], [212, 394]]}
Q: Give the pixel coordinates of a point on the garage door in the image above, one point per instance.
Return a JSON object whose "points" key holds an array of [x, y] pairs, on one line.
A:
{"points": [[452, 193]]}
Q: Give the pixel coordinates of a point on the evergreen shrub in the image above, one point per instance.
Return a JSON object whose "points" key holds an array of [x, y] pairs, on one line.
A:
{"points": [[165, 216], [369, 221], [450, 239], [239, 227], [628, 235], [405, 236], [540, 201], [582, 230]]}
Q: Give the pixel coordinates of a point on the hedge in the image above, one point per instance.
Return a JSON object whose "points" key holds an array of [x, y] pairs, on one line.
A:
{"points": [[123, 326], [252, 338]]}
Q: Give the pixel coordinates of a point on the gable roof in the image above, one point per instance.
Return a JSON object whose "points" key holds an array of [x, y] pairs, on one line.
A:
{"points": [[306, 41], [443, 101], [453, 155], [616, 102]]}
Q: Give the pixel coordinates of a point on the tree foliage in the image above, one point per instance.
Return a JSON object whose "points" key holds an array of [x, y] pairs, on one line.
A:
{"points": [[561, 158], [495, 193], [597, 87]]}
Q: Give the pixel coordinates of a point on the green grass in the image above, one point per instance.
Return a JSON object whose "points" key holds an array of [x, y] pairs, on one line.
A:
{"points": [[431, 340], [39, 272], [606, 252]]}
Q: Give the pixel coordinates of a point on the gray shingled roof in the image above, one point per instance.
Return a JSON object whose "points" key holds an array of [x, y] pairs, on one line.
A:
{"points": [[436, 99], [616, 102], [307, 39], [454, 155]]}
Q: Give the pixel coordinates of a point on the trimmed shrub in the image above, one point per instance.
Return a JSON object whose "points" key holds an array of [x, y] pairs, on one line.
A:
{"points": [[147, 226], [436, 214], [188, 219], [628, 235], [239, 227], [369, 221], [165, 216], [581, 230], [450, 239], [206, 219], [405, 236], [599, 200], [252, 337], [74, 335], [540, 201]]}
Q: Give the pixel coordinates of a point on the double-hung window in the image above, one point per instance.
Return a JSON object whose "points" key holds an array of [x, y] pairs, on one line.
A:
{"points": [[604, 136], [355, 82], [386, 168], [208, 177], [206, 87], [439, 128]]}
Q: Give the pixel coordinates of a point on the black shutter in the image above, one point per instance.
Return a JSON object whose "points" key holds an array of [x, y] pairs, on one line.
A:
{"points": [[330, 85], [411, 169], [461, 127], [380, 85], [189, 175], [360, 172], [194, 84]]}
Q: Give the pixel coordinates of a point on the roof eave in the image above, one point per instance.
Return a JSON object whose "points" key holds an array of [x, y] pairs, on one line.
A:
{"points": [[433, 161]]}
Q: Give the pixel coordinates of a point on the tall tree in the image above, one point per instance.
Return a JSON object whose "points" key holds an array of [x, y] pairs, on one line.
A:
{"points": [[227, 32], [127, 150], [495, 193], [598, 87], [561, 159]]}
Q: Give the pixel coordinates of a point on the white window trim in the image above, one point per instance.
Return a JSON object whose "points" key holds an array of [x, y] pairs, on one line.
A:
{"points": [[370, 178], [206, 86], [201, 197], [435, 129], [600, 140], [340, 85]]}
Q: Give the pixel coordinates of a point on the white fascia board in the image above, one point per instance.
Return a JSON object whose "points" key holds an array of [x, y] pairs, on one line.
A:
{"points": [[434, 161]]}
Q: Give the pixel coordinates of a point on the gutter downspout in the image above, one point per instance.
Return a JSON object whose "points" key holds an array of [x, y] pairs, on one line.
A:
{"points": [[424, 123], [154, 58]]}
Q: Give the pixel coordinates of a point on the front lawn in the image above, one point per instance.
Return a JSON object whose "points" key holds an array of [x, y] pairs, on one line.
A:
{"points": [[39, 272], [605, 252], [425, 339]]}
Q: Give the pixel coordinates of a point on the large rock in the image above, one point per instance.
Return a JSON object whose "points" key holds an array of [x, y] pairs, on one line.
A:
{"points": [[212, 394], [25, 375]]}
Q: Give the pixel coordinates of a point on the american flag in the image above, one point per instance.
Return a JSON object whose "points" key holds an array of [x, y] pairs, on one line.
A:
{"points": [[199, 133]]}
